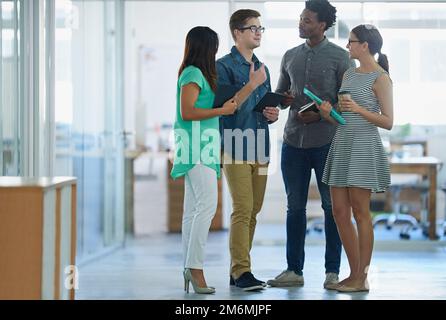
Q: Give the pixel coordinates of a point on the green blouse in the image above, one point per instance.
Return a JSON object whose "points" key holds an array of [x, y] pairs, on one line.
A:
{"points": [[196, 141]]}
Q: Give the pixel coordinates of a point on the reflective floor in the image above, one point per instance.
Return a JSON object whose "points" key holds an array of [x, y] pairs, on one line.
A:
{"points": [[151, 268]]}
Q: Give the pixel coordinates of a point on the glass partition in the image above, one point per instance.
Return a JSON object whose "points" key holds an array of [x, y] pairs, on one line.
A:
{"points": [[10, 89], [88, 118]]}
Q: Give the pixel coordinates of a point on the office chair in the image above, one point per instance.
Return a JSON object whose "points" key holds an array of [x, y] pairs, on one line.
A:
{"points": [[316, 224], [399, 182], [423, 188]]}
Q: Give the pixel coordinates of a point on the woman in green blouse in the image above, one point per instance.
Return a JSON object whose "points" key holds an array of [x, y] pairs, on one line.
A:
{"points": [[197, 145]]}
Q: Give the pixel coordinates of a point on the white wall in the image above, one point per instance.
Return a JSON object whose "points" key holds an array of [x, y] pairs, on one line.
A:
{"points": [[160, 28]]}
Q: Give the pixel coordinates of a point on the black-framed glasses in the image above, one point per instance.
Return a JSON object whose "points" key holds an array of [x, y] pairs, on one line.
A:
{"points": [[254, 29], [351, 41]]}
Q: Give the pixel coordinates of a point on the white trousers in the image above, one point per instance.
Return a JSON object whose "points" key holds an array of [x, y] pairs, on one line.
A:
{"points": [[200, 204]]}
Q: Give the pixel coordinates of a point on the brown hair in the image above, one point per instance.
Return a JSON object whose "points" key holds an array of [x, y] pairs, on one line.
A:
{"points": [[370, 34], [239, 18], [199, 51]]}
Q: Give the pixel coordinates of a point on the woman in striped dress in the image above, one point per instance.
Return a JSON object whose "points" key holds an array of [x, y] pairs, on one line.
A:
{"points": [[357, 164]]}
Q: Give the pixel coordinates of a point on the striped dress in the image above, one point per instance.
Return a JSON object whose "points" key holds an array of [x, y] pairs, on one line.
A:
{"points": [[357, 157]]}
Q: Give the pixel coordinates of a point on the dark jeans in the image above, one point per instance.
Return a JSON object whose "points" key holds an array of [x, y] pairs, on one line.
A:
{"points": [[296, 167]]}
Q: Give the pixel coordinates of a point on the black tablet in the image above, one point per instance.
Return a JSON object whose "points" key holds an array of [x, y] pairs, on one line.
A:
{"points": [[223, 94], [270, 99]]}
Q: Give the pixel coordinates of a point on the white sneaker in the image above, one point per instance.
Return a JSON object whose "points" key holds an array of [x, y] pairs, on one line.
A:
{"points": [[287, 279], [331, 281]]}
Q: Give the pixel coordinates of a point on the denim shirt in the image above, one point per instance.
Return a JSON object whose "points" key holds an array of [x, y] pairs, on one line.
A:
{"points": [[233, 69]]}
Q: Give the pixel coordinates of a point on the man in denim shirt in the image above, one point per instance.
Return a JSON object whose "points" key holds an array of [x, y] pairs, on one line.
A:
{"points": [[245, 139], [318, 65]]}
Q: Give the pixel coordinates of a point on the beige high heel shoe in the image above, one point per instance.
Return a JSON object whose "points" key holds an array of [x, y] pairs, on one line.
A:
{"points": [[188, 278]]}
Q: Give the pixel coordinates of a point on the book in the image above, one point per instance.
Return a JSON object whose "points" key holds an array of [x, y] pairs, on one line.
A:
{"points": [[334, 114], [309, 107]]}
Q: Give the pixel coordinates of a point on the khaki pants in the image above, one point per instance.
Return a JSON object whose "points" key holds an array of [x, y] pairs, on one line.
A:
{"points": [[247, 188]]}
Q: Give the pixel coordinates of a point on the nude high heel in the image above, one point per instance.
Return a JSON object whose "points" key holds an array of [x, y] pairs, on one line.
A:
{"points": [[189, 279]]}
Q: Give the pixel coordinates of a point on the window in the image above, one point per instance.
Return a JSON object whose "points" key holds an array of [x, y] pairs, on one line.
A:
{"points": [[414, 41], [10, 89], [432, 60]]}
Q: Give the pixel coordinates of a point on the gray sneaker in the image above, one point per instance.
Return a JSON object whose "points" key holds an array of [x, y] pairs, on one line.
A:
{"points": [[331, 281], [287, 278]]}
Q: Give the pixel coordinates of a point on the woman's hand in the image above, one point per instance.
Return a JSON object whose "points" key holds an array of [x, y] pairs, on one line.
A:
{"points": [[229, 107], [349, 105]]}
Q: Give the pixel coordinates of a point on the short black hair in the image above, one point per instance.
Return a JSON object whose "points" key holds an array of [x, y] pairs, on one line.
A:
{"points": [[325, 11]]}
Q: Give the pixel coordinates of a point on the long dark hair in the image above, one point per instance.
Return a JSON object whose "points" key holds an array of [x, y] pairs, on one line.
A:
{"points": [[199, 51], [370, 34]]}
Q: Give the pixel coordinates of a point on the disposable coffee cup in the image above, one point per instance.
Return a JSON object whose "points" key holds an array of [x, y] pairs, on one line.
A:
{"points": [[344, 95]]}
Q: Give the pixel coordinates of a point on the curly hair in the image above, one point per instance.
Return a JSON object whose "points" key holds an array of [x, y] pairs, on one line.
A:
{"points": [[325, 11]]}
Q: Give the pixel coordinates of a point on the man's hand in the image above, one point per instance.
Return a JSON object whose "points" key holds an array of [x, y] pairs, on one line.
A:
{"points": [[257, 77], [309, 117], [271, 113], [289, 98]]}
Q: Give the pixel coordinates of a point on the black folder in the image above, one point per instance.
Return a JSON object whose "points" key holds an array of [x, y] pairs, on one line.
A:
{"points": [[270, 99], [223, 94]]}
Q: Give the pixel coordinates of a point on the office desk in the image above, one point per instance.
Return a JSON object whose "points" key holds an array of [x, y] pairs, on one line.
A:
{"points": [[400, 143], [130, 157], [427, 167]]}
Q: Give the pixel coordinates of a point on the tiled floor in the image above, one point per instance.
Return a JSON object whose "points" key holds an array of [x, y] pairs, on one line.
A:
{"points": [[150, 268]]}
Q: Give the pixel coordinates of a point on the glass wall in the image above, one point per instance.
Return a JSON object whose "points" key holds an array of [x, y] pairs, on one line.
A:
{"points": [[61, 102], [25, 78], [10, 89], [88, 117]]}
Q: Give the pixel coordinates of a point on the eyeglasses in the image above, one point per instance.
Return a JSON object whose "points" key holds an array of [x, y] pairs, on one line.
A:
{"points": [[351, 41], [254, 29]]}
